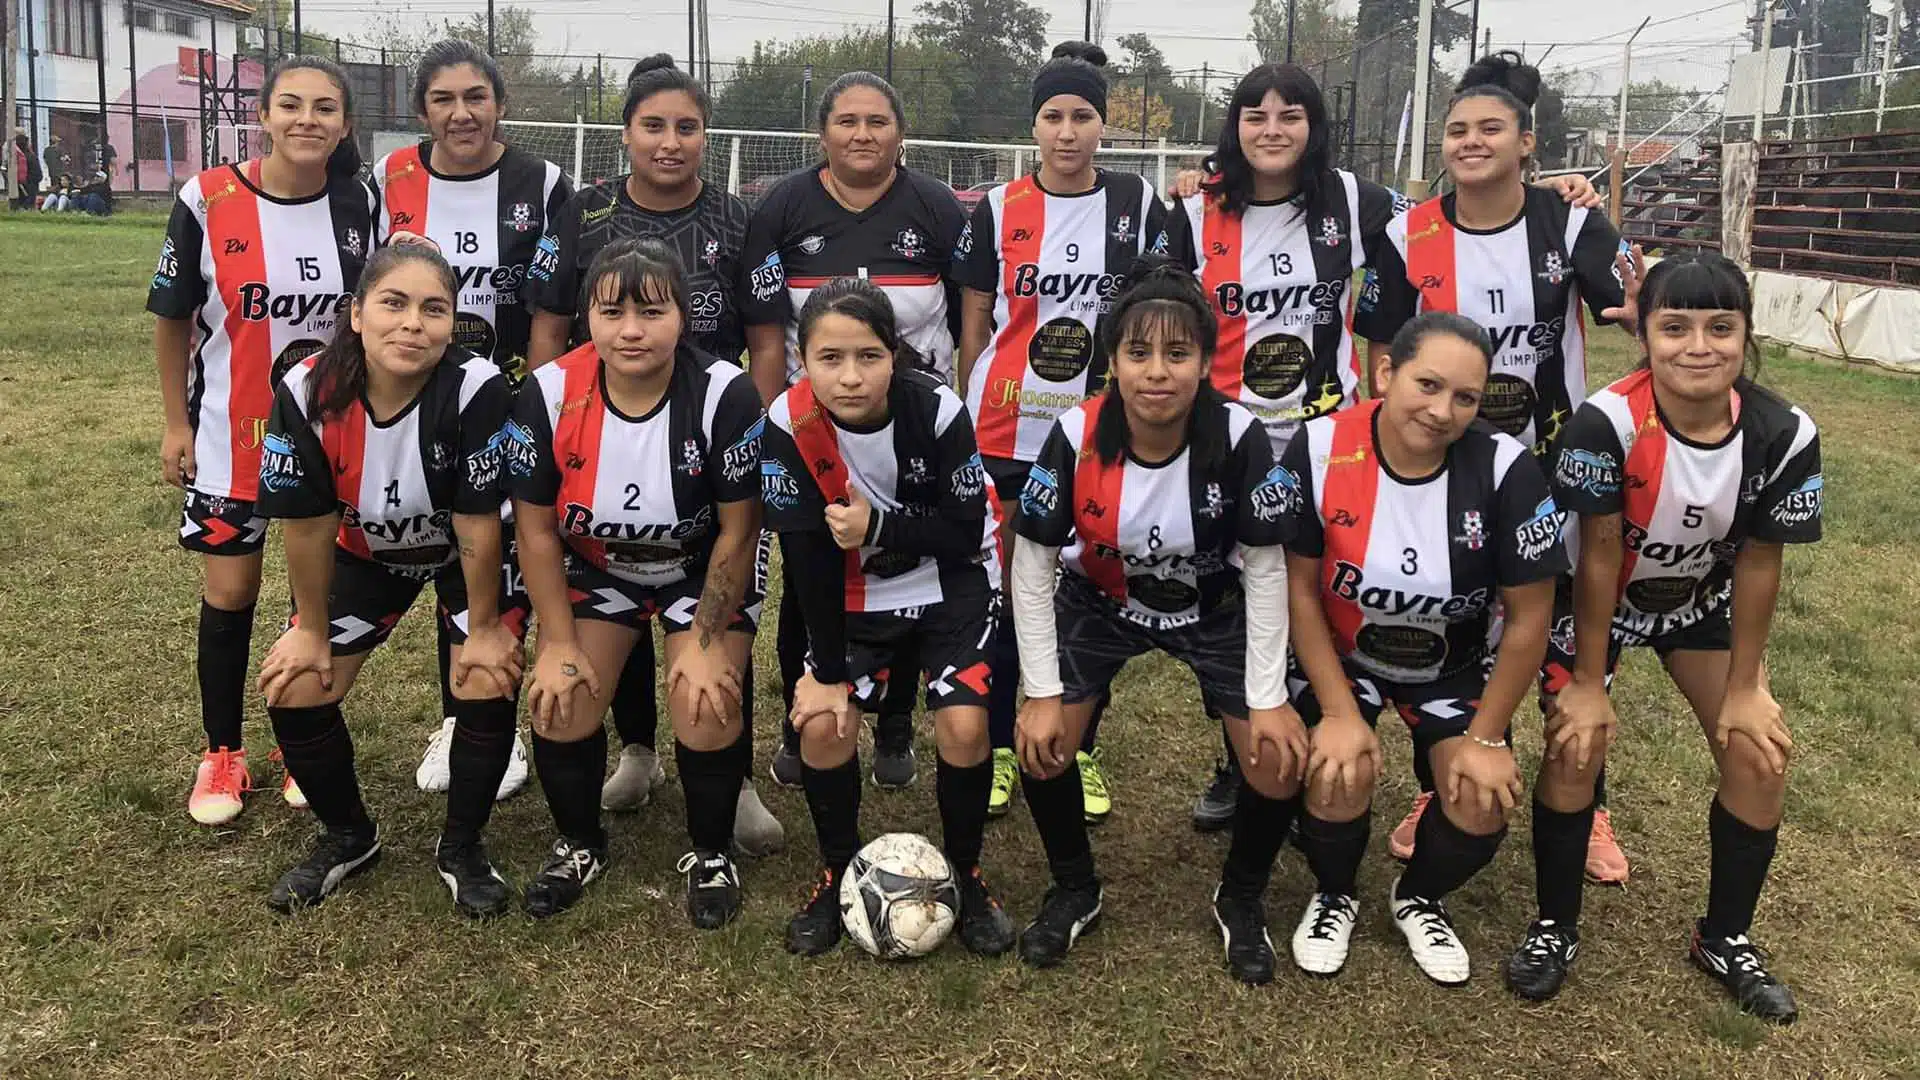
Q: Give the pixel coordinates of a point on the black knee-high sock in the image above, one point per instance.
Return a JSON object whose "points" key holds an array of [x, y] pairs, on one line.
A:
{"points": [[833, 799], [1004, 660], [1092, 734], [1059, 813], [711, 779], [636, 701], [745, 744], [1741, 857], [443, 648], [482, 744], [1334, 851], [571, 774], [962, 792], [1560, 861], [1444, 857], [1260, 827], [903, 691], [319, 755], [790, 648], [1423, 770], [224, 641], [1231, 757], [1600, 787]]}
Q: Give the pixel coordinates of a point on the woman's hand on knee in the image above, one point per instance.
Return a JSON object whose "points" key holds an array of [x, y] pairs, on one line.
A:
{"points": [[299, 652], [1343, 759], [1752, 714], [553, 699], [1278, 738]]}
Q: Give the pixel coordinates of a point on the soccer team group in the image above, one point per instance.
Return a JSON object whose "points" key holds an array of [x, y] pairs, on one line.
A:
{"points": [[1001, 450]]}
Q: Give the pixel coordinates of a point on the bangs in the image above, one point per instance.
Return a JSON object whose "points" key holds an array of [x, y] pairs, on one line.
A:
{"points": [[1167, 322], [1294, 85], [1695, 285], [633, 276]]}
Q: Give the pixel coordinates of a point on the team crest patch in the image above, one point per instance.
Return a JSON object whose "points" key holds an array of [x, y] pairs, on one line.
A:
{"points": [[1123, 229], [690, 457], [1473, 531], [917, 470], [813, 245], [710, 252], [520, 218], [1214, 505], [1330, 234], [350, 240], [909, 244], [1552, 269]]}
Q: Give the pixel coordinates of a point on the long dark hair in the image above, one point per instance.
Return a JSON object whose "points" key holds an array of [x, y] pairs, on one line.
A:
{"points": [[344, 163], [453, 52], [339, 374], [1231, 175], [1506, 77], [1699, 281], [1163, 300], [866, 303], [656, 75], [643, 270]]}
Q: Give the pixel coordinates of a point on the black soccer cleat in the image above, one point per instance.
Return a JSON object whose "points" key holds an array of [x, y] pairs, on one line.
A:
{"points": [[1539, 966], [785, 769], [985, 928], [815, 928], [1739, 966], [1243, 931], [713, 888], [1065, 914], [894, 767], [1213, 810], [337, 855], [479, 892], [563, 880]]}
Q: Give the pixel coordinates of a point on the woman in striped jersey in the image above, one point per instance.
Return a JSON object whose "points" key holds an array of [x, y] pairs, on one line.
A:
{"points": [[1042, 260], [383, 460], [1688, 479], [485, 205], [260, 260]]}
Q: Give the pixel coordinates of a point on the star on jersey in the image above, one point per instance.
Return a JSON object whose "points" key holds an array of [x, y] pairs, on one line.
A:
{"points": [[1329, 399]]}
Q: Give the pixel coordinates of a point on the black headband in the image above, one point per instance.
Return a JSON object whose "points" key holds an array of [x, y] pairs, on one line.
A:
{"points": [[1080, 79]]}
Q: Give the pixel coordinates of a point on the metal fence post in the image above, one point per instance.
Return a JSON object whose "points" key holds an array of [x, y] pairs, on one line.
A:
{"points": [[733, 165], [1160, 170], [579, 149]]}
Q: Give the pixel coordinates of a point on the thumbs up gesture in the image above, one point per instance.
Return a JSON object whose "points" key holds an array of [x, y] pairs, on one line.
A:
{"points": [[848, 520]]}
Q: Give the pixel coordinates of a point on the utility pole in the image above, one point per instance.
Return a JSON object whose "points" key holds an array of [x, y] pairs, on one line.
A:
{"points": [[33, 82], [299, 42], [490, 42], [1473, 30], [133, 102], [100, 73], [1088, 35], [1617, 174], [7, 102], [1423, 71], [1200, 129], [890, 40], [1293, 14]]}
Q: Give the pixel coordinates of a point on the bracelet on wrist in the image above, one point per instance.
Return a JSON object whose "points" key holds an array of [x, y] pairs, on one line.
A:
{"points": [[1491, 744]]}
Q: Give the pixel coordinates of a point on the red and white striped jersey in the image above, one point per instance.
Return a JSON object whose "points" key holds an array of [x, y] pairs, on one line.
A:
{"points": [[919, 469], [1159, 539], [488, 226], [1523, 282], [395, 483], [266, 282], [1280, 277], [636, 495], [1687, 507], [1054, 264], [1410, 569]]}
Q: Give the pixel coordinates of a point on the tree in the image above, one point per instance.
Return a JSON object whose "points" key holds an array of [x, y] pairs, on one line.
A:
{"points": [[767, 89], [1651, 104], [1381, 66], [1322, 33], [1174, 105], [995, 45]]}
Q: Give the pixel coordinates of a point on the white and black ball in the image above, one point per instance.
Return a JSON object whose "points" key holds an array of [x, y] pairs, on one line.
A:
{"points": [[899, 898]]}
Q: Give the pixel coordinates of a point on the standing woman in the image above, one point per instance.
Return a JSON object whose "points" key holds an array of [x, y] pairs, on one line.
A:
{"points": [[632, 463], [383, 459], [1688, 479], [862, 213], [485, 205], [1408, 520], [663, 197], [870, 476], [1164, 498], [1519, 262], [1042, 261], [260, 260]]}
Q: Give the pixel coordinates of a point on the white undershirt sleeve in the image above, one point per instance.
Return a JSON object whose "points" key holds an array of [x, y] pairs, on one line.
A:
{"points": [[1034, 567], [1263, 576]]}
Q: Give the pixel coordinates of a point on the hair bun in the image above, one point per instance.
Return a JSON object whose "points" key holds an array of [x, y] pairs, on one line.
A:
{"points": [[656, 62], [1507, 70], [1081, 50]]}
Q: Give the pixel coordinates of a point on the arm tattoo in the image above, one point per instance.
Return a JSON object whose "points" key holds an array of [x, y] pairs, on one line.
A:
{"points": [[718, 599]]}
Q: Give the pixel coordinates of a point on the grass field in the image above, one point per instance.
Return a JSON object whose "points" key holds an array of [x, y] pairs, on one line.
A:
{"points": [[136, 944]]}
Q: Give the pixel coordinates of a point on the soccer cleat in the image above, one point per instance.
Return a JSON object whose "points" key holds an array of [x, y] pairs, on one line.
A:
{"points": [[815, 928], [1006, 773], [1539, 966], [1429, 933], [1095, 797], [435, 774], [1325, 933], [984, 927], [337, 855], [1400, 843], [1213, 810], [633, 780], [1065, 914], [713, 888], [1606, 863], [756, 832], [564, 879], [515, 777], [1739, 966], [479, 892], [290, 792], [785, 769], [893, 763], [220, 782], [1242, 920]]}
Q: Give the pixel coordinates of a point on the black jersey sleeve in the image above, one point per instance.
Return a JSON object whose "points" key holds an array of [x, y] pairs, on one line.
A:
{"points": [[791, 500], [482, 442], [954, 533], [1183, 246], [1155, 238], [1594, 249], [951, 220], [1589, 468], [763, 290], [1388, 300], [553, 277], [1046, 499], [1261, 488], [558, 198], [178, 289], [1789, 508], [978, 263], [738, 427], [1300, 526], [295, 479], [531, 474], [821, 590], [1376, 211], [1529, 527]]}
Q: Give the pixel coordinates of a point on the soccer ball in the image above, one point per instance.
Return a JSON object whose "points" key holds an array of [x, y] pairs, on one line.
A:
{"points": [[899, 899]]}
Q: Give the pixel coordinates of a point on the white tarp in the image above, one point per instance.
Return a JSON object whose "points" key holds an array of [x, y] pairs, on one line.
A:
{"points": [[1877, 324]]}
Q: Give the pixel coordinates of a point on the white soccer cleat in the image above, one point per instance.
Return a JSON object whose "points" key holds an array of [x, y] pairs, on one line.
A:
{"points": [[435, 774], [1430, 937], [1321, 941], [515, 777]]}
